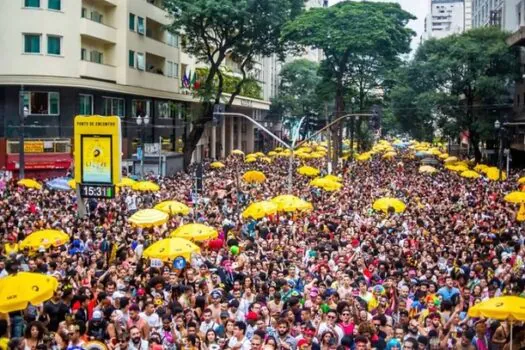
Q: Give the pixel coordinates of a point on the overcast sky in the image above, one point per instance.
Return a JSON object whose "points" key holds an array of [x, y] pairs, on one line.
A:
{"points": [[418, 8]]}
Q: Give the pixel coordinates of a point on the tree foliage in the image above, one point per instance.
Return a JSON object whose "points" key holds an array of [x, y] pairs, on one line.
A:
{"points": [[459, 83], [217, 29], [360, 40]]}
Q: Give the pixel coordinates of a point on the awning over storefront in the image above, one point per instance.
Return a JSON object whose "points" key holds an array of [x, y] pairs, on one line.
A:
{"points": [[43, 161]]}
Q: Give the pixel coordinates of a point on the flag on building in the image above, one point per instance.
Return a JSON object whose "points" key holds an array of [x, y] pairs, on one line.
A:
{"points": [[194, 83], [185, 81]]}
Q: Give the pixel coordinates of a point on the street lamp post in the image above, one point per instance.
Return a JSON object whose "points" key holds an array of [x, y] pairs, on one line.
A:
{"points": [[23, 112], [142, 123], [499, 129]]}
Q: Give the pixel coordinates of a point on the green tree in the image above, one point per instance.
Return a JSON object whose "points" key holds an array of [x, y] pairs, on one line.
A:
{"points": [[297, 95], [357, 39], [460, 83], [217, 29]]}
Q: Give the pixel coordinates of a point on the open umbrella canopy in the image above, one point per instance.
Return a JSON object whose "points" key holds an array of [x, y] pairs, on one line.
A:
{"points": [[126, 182], [386, 204], [59, 184], [17, 291], [516, 197], [470, 174], [258, 210], [30, 183], [327, 185], [430, 161], [443, 156], [44, 238], [266, 159], [238, 152], [254, 176], [195, 232], [363, 157], [289, 203], [493, 174], [169, 249], [521, 180], [308, 171], [145, 186], [250, 160], [389, 155], [332, 178], [480, 167], [457, 168], [451, 159], [427, 169], [148, 218], [217, 165], [510, 308], [173, 208]]}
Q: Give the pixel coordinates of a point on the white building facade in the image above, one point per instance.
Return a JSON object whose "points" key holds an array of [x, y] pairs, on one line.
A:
{"points": [[446, 17]]}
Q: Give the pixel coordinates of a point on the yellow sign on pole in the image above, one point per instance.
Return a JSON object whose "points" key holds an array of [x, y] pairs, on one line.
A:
{"points": [[98, 147]]}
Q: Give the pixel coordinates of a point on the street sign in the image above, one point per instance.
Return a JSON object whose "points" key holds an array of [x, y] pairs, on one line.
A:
{"points": [[218, 109]]}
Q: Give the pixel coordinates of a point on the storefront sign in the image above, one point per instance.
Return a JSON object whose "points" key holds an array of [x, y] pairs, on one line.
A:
{"points": [[33, 146]]}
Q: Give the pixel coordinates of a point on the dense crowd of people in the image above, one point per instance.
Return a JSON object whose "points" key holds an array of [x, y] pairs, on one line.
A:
{"points": [[341, 276]]}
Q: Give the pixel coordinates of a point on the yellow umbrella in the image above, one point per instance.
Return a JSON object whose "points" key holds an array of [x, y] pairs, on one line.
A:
{"points": [[443, 156], [510, 308], [290, 203], [515, 197], [250, 160], [217, 165], [148, 218], [332, 178], [308, 171], [457, 168], [145, 186], [266, 159], [169, 249], [480, 167], [72, 183], [326, 185], [272, 153], [126, 182], [493, 174], [254, 176], [278, 149], [427, 169], [195, 232], [173, 208], [451, 159], [238, 152], [470, 174], [44, 238], [384, 204], [30, 183], [259, 154], [258, 210], [17, 291], [363, 157], [389, 155], [521, 180]]}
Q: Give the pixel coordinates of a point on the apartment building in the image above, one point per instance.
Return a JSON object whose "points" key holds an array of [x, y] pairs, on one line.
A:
{"points": [[446, 17], [107, 57], [468, 14]]}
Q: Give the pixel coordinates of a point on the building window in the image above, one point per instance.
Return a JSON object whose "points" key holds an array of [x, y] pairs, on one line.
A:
{"points": [[42, 103], [131, 22], [173, 39], [172, 69], [32, 3], [96, 57], [163, 109], [131, 59], [140, 108], [141, 62], [114, 106], [83, 54], [96, 16], [140, 25], [54, 5], [32, 43], [85, 104], [53, 44], [83, 12]]}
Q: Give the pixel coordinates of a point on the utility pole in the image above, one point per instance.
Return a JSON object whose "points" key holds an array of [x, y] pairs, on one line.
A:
{"points": [[23, 112]]}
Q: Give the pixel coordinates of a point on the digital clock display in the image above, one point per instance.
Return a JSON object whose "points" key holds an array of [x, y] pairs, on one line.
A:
{"points": [[97, 191]]}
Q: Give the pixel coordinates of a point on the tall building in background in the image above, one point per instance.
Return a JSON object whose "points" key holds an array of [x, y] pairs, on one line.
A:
{"points": [[468, 14], [446, 17]]}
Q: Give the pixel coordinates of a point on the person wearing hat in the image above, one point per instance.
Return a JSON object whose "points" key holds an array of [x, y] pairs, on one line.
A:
{"points": [[215, 306]]}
